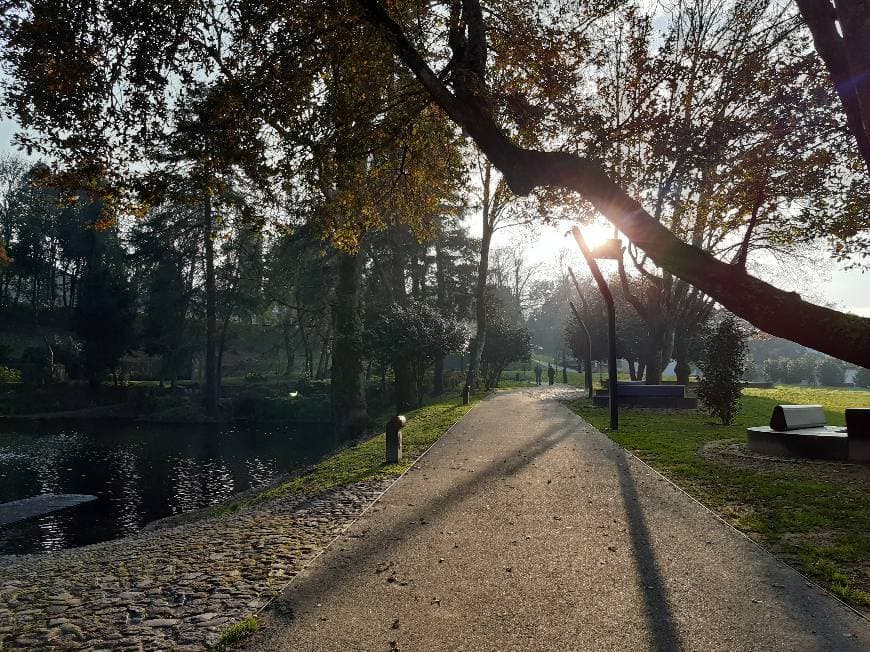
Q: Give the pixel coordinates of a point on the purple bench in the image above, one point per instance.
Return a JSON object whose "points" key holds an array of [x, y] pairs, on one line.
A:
{"points": [[639, 395]]}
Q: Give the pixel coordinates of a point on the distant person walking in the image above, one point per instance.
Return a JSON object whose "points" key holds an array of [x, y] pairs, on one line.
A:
{"points": [[551, 373], [538, 373]]}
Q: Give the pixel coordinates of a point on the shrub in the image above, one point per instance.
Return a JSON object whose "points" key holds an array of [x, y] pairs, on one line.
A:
{"points": [[722, 363], [831, 372], [9, 375]]}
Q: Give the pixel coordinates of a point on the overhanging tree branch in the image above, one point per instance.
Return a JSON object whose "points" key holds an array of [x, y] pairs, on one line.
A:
{"points": [[846, 57], [769, 308]]}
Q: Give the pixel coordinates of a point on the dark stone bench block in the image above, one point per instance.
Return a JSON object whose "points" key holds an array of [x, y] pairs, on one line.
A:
{"points": [[655, 402], [641, 389], [812, 443], [858, 427]]}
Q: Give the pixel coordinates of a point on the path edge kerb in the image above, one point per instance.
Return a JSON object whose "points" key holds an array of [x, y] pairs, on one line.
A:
{"points": [[353, 521], [722, 520]]}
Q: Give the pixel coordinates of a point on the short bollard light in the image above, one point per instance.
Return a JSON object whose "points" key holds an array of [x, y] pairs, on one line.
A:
{"points": [[394, 439], [466, 394]]}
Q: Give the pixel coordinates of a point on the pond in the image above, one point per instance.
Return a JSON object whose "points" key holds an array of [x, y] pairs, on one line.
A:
{"points": [[139, 473]]}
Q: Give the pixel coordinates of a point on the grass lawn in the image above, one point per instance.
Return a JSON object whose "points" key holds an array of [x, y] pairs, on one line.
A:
{"points": [[814, 515]]}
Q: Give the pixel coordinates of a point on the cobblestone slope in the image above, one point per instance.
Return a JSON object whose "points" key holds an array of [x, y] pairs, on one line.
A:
{"points": [[178, 588]]}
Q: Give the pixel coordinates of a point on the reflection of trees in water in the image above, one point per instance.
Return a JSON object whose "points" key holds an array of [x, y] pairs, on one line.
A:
{"points": [[139, 473], [48, 456], [199, 483]]}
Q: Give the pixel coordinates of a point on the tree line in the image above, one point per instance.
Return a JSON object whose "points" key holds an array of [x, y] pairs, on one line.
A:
{"points": [[143, 284], [706, 134]]}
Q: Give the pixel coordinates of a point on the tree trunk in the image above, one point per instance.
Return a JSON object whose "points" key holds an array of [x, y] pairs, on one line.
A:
{"points": [[660, 347], [632, 373], [441, 290], [403, 374], [347, 387], [480, 292], [438, 377], [681, 355], [219, 365], [840, 34], [323, 359], [288, 345], [654, 366], [404, 381], [211, 388]]}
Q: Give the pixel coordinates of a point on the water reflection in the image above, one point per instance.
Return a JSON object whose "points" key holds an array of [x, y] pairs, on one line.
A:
{"points": [[138, 473], [127, 500], [52, 534]]}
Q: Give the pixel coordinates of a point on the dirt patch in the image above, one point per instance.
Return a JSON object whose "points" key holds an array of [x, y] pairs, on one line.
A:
{"points": [[732, 452]]}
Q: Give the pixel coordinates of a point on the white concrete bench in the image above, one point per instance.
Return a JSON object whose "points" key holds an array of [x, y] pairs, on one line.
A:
{"points": [[797, 417], [799, 431]]}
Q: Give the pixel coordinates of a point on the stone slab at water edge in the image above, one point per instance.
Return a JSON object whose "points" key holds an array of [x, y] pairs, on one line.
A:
{"points": [[18, 510]]}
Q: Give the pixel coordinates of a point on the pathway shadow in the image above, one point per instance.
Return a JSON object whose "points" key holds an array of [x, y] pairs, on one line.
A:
{"points": [[658, 611], [376, 546], [832, 629]]}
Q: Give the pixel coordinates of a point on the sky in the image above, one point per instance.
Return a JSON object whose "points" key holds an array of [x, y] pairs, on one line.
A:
{"points": [[829, 283]]}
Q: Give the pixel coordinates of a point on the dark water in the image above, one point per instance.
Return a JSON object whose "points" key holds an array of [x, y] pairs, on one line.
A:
{"points": [[138, 473]]}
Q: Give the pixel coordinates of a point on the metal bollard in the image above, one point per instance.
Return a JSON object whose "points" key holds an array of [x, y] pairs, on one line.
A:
{"points": [[466, 394], [394, 439]]}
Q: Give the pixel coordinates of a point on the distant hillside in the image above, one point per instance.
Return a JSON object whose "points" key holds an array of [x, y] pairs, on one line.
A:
{"points": [[768, 346]]}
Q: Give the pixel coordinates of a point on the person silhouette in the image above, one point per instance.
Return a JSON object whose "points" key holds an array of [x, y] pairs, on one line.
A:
{"points": [[551, 373], [538, 373]]}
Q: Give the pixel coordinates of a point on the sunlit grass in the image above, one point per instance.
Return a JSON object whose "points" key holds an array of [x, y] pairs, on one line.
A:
{"points": [[236, 633]]}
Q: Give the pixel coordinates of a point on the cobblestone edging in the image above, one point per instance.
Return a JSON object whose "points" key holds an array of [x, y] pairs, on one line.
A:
{"points": [[172, 589]]}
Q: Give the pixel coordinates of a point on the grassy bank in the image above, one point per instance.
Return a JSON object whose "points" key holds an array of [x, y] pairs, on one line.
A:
{"points": [[365, 461], [814, 515]]}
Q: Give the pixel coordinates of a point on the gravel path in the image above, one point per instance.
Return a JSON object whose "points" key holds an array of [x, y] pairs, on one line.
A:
{"points": [[524, 528], [178, 588]]}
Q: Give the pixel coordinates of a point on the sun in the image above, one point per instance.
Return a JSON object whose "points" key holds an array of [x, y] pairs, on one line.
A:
{"points": [[596, 234]]}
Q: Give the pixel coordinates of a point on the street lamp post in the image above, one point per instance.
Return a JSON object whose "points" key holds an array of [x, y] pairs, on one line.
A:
{"points": [[587, 372], [611, 321], [587, 367]]}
